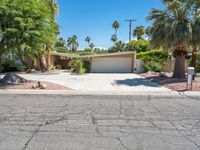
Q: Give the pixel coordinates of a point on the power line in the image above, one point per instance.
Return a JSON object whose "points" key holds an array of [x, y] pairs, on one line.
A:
{"points": [[130, 27]]}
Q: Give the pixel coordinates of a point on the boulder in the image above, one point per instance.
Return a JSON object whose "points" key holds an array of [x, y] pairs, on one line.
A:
{"points": [[43, 86], [35, 86], [12, 79]]}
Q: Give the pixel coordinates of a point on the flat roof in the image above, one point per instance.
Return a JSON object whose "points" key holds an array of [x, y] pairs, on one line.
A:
{"points": [[64, 55], [92, 55], [107, 54]]}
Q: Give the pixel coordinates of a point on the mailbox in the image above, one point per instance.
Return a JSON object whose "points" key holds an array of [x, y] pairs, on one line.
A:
{"points": [[190, 76], [191, 71]]}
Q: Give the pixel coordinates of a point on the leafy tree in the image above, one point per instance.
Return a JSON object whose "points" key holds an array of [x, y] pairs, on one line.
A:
{"points": [[139, 31], [25, 28], [60, 45], [60, 42], [138, 45], [172, 29], [119, 46], [116, 26]]}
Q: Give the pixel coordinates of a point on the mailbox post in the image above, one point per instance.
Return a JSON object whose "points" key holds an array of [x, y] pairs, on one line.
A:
{"points": [[190, 77]]}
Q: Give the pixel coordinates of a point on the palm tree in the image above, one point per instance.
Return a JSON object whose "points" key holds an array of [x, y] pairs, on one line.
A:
{"points": [[72, 43], [69, 43], [114, 38], [88, 39], [116, 26], [172, 29], [139, 31], [60, 42], [92, 46]]}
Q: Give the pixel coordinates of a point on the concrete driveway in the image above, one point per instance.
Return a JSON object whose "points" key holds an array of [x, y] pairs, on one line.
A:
{"points": [[114, 83]]}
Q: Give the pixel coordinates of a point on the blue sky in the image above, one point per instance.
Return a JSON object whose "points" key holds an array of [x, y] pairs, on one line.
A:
{"points": [[94, 18]]}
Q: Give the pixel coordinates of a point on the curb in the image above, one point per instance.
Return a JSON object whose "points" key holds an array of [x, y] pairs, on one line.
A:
{"points": [[75, 92]]}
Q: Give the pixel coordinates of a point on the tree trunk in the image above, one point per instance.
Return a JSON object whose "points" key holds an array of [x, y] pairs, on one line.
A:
{"points": [[194, 57], [179, 70], [48, 59], [42, 62]]}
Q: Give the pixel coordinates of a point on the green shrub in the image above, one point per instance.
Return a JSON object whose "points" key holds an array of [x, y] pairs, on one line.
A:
{"points": [[153, 60], [61, 49], [87, 66], [79, 67], [88, 49], [198, 64], [71, 63], [152, 66], [11, 65]]}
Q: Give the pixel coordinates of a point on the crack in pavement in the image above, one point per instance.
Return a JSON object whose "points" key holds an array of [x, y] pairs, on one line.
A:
{"points": [[123, 120]]}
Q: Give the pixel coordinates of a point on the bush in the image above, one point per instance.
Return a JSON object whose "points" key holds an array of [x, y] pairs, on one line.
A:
{"points": [[152, 66], [87, 66], [11, 65], [88, 49], [153, 60], [79, 67], [198, 64], [138, 45]]}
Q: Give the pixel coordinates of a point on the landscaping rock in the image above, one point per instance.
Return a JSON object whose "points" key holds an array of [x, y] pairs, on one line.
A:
{"points": [[12, 79], [35, 86], [43, 86]]}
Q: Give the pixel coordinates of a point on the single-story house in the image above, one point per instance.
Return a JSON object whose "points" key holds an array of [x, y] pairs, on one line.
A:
{"points": [[119, 62]]}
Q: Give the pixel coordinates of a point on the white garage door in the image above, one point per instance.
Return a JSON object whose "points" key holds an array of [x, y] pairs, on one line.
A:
{"points": [[111, 65]]}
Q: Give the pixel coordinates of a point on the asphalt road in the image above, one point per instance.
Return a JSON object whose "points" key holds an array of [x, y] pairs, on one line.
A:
{"points": [[53, 122]]}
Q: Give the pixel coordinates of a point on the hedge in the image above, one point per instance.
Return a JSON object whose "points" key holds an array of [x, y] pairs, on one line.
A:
{"points": [[153, 60]]}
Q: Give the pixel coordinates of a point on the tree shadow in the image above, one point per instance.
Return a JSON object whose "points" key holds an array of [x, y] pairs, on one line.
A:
{"points": [[136, 82]]}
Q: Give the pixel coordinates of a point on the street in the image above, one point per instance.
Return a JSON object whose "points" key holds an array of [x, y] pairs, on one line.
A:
{"points": [[66, 122]]}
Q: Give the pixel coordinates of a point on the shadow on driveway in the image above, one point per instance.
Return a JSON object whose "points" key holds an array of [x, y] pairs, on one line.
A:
{"points": [[136, 82]]}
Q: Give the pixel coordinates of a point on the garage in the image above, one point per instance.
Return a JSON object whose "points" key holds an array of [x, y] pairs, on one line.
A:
{"points": [[111, 65], [121, 62]]}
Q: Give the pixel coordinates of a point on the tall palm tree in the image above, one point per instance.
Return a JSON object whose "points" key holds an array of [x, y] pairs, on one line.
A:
{"points": [[172, 29], [88, 39], [114, 38], [116, 26], [139, 31]]}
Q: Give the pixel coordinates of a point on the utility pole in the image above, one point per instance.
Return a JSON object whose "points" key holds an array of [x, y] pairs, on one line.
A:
{"points": [[130, 27]]}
